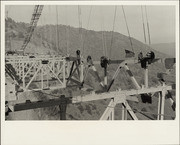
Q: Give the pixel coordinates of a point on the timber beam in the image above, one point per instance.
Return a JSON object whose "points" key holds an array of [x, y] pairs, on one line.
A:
{"points": [[120, 93], [39, 104], [120, 96]]}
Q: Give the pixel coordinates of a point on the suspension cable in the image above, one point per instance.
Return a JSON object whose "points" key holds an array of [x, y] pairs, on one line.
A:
{"points": [[112, 32], [41, 22], [85, 37], [57, 30], [80, 26], [143, 24], [45, 31], [102, 36], [148, 26], [67, 33], [49, 30], [127, 29], [7, 11]]}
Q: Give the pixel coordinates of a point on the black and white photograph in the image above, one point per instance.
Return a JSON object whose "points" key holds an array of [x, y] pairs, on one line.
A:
{"points": [[83, 62]]}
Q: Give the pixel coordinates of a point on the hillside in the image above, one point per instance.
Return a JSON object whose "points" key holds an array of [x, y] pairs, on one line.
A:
{"points": [[166, 48], [44, 41]]}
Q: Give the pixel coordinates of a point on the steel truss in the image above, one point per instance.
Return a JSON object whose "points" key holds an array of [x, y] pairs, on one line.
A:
{"points": [[41, 70], [37, 73]]}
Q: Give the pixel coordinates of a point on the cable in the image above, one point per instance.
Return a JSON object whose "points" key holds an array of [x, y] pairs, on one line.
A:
{"points": [[41, 22], [7, 11], [127, 29], [103, 37], [112, 32], [85, 37], [148, 27], [49, 30], [125, 78], [67, 33], [143, 24], [80, 27], [57, 30]]}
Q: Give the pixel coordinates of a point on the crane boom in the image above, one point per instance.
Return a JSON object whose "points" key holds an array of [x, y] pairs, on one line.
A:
{"points": [[35, 17]]}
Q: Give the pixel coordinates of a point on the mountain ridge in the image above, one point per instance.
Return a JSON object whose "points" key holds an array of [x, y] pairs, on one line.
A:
{"points": [[166, 48], [45, 40]]}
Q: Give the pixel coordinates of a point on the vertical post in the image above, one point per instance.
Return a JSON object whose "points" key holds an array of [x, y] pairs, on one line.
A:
{"points": [[53, 63], [124, 111], [19, 67], [161, 104], [81, 73], [146, 77], [63, 107], [23, 79], [68, 67], [42, 77], [112, 113], [105, 77], [64, 72], [47, 76], [34, 69], [58, 66]]}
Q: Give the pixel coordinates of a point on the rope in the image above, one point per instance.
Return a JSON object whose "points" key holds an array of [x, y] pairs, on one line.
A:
{"points": [[103, 44], [103, 36], [148, 27], [45, 31], [7, 11], [85, 37], [67, 34], [57, 30], [49, 30], [80, 26], [127, 29], [112, 32], [143, 24], [41, 32]]}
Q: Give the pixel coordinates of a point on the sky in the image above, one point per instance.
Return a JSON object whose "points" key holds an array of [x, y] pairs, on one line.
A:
{"points": [[161, 19]]}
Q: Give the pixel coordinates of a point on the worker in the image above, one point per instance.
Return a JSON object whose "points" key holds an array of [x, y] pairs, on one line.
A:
{"points": [[140, 56]]}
